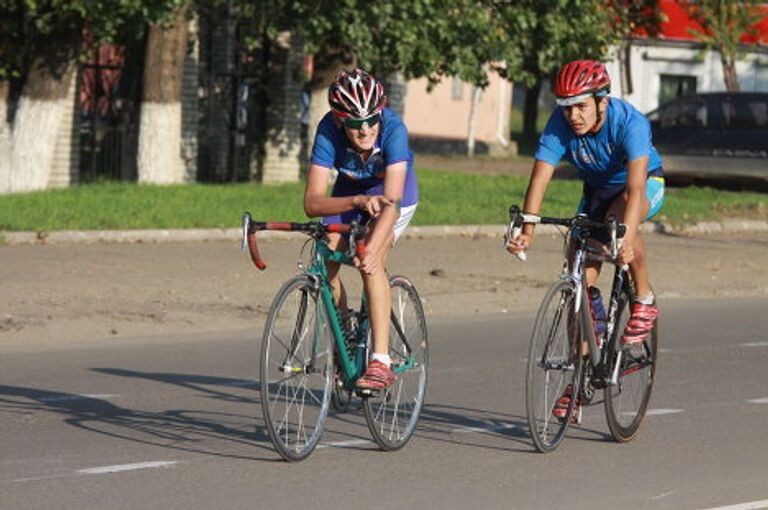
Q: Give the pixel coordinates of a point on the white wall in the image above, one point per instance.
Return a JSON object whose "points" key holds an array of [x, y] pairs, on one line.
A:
{"points": [[649, 59]]}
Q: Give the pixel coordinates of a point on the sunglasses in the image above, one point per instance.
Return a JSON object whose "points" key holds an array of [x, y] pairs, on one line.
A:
{"points": [[358, 123]]}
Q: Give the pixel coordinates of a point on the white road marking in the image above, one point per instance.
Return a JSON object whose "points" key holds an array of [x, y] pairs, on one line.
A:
{"points": [[661, 412], [458, 430], [489, 428], [754, 344], [127, 467], [345, 444], [664, 495], [758, 401], [753, 505], [67, 398]]}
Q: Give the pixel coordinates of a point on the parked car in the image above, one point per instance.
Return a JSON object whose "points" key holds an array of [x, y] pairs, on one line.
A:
{"points": [[721, 124]]}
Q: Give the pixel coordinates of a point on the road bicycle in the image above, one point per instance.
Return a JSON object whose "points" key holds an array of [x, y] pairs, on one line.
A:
{"points": [[312, 353], [566, 350]]}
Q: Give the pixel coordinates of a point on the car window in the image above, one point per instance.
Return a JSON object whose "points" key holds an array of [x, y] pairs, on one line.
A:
{"points": [[689, 113], [746, 113]]}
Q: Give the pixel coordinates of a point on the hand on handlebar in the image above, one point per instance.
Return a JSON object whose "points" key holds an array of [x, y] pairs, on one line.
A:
{"points": [[626, 251], [519, 244]]}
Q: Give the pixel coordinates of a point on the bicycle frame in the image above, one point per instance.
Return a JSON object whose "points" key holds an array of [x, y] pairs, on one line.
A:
{"points": [[352, 365], [577, 252]]}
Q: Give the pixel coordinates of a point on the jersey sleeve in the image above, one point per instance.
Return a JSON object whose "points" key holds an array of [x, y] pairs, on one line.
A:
{"points": [[396, 145], [551, 148], [323, 150], [637, 137]]}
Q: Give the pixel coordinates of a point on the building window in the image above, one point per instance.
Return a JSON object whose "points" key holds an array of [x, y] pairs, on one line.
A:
{"points": [[457, 89], [674, 86]]}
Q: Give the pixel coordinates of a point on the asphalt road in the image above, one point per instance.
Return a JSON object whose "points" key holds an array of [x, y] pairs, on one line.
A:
{"points": [[174, 422]]}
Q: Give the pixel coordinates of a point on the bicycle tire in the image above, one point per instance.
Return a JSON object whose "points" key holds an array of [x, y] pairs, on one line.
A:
{"points": [[297, 369], [553, 364], [392, 413], [627, 402]]}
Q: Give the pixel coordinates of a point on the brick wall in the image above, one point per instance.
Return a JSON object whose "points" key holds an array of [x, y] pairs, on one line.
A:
{"points": [[65, 166], [215, 65], [282, 147], [190, 121]]}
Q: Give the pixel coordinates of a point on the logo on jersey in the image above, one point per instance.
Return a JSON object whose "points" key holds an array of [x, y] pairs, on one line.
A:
{"points": [[583, 155]]}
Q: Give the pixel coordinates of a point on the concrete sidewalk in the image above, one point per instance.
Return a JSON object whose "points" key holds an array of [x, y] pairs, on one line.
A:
{"points": [[233, 234]]}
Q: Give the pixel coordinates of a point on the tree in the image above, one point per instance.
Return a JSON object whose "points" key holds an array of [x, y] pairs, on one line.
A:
{"points": [[723, 23], [40, 44], [549, 34], [159, 155], [418, 38]]}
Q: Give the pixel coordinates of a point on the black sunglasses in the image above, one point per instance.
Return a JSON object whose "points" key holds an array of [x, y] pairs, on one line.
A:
{"points": [[358, 123]]}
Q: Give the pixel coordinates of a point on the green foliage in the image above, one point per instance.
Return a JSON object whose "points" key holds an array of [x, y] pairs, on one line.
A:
{"points": [[31, 28], [724, 23], [419, 38]]}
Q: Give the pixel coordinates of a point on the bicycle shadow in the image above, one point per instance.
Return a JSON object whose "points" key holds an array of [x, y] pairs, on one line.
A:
{"points": [[216, 433], [470, 427]]}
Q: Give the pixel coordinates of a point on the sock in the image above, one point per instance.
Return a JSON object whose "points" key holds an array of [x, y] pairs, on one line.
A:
{"points": [[646, 300], [382, 358]]}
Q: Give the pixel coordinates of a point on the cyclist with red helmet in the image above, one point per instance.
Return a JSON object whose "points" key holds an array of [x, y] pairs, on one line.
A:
{"points": [[367, 144], [609, 142]]}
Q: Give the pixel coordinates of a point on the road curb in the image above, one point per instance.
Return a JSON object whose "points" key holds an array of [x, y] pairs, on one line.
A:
{"points": [[233, 234]]}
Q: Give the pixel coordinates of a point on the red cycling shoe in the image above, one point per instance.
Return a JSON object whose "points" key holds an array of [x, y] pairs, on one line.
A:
{"points": [[377, 377], [640, 323], [561, 406]]}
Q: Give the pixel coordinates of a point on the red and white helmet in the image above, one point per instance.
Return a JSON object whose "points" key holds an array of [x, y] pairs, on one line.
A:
{"points": [[356, 94], [580, 79]]}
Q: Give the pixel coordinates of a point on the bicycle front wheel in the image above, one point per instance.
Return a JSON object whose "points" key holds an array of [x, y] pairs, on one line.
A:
{"points": [[627, 401], [553, 365], [296, 369], [392, 413]]}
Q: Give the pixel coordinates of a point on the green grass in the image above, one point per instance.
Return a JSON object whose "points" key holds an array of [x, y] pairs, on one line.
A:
{"points": [[447, 198]]}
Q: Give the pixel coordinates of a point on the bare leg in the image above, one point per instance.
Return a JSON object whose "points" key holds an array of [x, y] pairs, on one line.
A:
{"points": [[336, 242], [638, 268], [378, 294]]}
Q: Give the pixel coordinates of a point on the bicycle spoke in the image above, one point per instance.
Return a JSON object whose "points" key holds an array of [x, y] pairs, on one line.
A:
{"points": [[392, 414], [296, 373]]}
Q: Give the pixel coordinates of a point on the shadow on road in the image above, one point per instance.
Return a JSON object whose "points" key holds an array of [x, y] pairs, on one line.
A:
{"points": [[242, 435]]}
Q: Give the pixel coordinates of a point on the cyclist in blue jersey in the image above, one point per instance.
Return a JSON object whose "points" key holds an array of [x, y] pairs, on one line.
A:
{"points": [[609, 142], [367, 144]]}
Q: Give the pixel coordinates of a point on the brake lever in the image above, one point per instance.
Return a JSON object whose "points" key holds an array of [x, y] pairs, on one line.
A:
{"points": [[246, 227], [514, 229]]}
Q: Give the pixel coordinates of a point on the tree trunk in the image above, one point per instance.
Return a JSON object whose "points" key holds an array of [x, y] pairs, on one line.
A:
{"points": [[729, 74], [531, 113], [160, 157], [30, 138], [476, 93], [326, 67], [5, 137]]}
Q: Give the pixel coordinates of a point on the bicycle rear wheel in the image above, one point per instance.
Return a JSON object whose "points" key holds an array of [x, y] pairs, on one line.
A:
{"points": [[296, 369], [392, 413], [553, 365], [627, 401]]}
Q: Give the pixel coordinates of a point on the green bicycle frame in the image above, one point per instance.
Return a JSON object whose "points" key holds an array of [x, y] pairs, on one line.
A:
{"points": [[351, 366]]}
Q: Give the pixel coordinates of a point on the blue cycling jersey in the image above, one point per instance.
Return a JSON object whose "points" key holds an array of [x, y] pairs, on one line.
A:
{"points": [[601, 158], [332, 150]]}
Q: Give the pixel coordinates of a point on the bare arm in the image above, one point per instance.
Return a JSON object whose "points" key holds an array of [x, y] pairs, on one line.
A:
{"points": [[316, 201], [636, 207], [637, 174], [394, 185], [537, 187]]}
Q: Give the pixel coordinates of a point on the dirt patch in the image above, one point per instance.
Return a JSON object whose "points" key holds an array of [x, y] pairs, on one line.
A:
{"points": [[66, 293]]}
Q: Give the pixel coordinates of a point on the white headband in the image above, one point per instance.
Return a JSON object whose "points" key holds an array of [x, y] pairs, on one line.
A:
{"points": [[568, 101]]}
